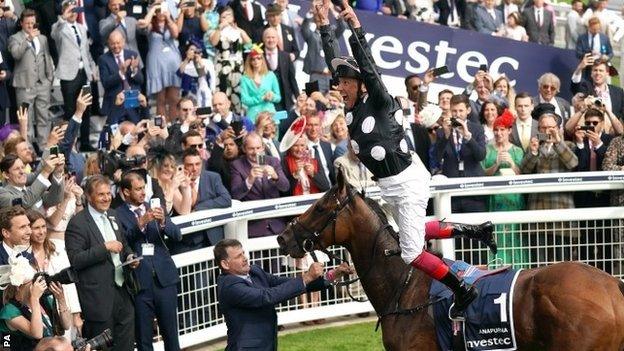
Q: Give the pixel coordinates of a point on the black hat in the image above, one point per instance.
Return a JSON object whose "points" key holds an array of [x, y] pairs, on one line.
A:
{"points": [[346, 67], [545, 108]]}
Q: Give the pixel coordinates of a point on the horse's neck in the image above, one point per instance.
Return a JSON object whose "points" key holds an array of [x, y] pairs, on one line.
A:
{"points": [[383, 277]]}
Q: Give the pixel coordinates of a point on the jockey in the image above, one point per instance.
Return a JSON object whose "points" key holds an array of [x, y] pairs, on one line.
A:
{"points": [[374, 120]]}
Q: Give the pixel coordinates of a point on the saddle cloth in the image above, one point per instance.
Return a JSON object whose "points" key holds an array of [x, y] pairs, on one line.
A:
{"points": [[489, 319]]}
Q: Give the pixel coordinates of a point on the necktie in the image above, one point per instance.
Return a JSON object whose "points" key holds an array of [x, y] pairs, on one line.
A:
{"points": [[593, 166], [539, 17], [316, 154], [32, 44], [76, 33], [109, 235], [272, 61], [246, 9], [524, 140], [126, 86], [137, 211]]}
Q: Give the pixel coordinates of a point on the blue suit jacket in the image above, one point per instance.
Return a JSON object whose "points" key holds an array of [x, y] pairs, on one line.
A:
{"points": [[160, 264], [471, 153], [113, 85], [212, 194], [4, 256], [583, 45], [249, 308]]}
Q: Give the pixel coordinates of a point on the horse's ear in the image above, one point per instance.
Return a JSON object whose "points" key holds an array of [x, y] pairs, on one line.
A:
{"points": [[340, 180]]}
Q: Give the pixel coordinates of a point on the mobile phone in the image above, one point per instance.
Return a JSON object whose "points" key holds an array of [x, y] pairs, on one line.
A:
{"points": [[131, 98], [158, 121], [86, 89], [483, 68], [24, 106], [311, 87], [16, 202], [54, 150], [440, 71], [455, 122], [237, 126], [36, 26], [154, 202], [261, 159], [542, 137], [587, 128], [114, 128], [201, 111]]}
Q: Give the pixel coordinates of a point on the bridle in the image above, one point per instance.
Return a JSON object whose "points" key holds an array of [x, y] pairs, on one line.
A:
{"points": [[308, 239]]}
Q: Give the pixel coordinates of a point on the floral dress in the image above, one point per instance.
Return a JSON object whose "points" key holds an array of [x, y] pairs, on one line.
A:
{"points": [[229, 64]]}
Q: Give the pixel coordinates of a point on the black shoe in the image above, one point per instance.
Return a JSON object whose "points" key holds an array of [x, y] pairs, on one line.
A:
{"points": [[462, 299], [87, 148], [483, 232]]}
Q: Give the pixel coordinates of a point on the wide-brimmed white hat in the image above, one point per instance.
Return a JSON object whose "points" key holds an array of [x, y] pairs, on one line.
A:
{"points": [[430, 115], [294, 132]]}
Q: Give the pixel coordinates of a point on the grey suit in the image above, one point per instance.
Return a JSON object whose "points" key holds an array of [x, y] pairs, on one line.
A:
{"points": [[515, 134], [129, 30], [485, 23], [32, 194], [32, 79], [544, 34], [70, 54]]}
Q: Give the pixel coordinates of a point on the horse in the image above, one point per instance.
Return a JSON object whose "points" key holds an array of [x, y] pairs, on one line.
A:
{"points": [[564, 306]]}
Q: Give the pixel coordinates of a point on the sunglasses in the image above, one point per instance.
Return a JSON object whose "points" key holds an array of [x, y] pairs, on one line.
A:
{"points": [[592, 123], [549, 87], [197, 146]]}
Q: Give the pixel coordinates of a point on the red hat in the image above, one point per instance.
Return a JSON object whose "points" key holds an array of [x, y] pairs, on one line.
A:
{"points": [[505, 120], [294, 132]]}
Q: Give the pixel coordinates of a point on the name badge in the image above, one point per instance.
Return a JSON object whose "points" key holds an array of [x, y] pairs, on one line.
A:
{"points": [[137, 9], [461, 166], [147, 249]]}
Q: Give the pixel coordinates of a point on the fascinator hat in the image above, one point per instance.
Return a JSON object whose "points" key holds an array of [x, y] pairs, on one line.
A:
{"points": [[17, 272]]}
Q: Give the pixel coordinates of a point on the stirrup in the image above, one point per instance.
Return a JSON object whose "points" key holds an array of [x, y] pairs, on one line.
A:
{"points": [[456, 315]]}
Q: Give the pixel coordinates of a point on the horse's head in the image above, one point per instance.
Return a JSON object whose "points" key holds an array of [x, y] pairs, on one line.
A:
{"points": [[322, 225]]}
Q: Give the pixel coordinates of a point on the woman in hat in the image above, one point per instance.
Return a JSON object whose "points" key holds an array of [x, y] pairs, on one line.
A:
{"points": [[259, 86], [503, 158], [229, 41], [301, 170]]}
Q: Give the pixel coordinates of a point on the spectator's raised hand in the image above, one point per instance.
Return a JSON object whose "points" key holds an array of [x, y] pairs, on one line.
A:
{"points": [[67, 190], [59, 167], [142, 100], [579, 135], [349, 15], [57, 290], [134, 63], [428, 77], [587, 60], [159, 215], [270, 172], [68, 12], [534, 145], [120, 98], [593, 137], [554, 135], [255, 172], [56, 134], [37, 288], [82, 102], [121, 14]]}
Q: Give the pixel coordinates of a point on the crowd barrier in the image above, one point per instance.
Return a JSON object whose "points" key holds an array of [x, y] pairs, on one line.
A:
{"points": [[529, 239]]}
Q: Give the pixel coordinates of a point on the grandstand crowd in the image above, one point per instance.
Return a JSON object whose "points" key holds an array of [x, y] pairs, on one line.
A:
{"points": [[202, 106]]}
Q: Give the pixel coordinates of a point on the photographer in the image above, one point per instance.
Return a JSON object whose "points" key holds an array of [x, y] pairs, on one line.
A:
{"points": [[582, 103], [610, 95], [30, 311], [57, 343]]}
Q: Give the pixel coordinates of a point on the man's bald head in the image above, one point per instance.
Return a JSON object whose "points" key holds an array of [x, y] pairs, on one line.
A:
{"points": [[220, 103], [116, 42]]}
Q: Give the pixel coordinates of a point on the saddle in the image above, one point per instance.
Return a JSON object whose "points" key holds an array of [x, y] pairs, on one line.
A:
{"points": [[487, 323]]}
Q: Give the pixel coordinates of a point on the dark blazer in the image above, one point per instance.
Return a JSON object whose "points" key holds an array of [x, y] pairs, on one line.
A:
{"points": [[443, 8], [249, 307], [319, 179], [329, 157], [422, 143], [160, 265], [4, 256], [261, 189], [93, 264], [212, 194], [615, 93], [216, 163], [515, 134], [583, 154], [255, 27], [113, 85], [584, 45], [544, 34], [286, 78], [472, 153]]}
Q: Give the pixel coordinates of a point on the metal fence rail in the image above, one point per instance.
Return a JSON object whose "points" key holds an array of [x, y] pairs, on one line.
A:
{"points": [[526, 239]]}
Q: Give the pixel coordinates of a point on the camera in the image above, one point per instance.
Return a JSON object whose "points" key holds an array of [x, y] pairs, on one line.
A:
{"points": [[455, 122], [65, 276], [97, 343], [114, 160], [593, 101], [542, 137]]}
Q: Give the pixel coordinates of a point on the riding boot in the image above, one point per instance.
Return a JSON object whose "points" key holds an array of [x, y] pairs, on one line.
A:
{"points": [[434, 267], [483, 232], [462, 295]]}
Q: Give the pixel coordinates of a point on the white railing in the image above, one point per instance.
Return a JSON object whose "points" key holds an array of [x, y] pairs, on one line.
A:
{"points": [[527, 238]]}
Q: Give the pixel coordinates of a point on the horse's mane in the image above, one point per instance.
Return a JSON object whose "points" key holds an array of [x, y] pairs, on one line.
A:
{"points": [[376, 208]]}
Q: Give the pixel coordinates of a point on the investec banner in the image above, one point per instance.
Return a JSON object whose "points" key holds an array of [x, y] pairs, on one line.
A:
{"points": [[403, 47]]}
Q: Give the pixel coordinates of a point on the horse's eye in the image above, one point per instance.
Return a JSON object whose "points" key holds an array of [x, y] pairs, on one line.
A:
{"points": [[318, 209]]}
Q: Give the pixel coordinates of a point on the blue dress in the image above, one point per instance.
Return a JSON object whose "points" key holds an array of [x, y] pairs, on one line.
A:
{"points": [[163, 61]]}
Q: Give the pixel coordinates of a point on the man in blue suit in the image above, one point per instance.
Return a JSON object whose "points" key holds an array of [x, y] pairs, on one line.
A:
{"points": [[248, 295], [594, 42], [119, 71], [488, 19], [460, 148], [207, 192], [144, 227]]}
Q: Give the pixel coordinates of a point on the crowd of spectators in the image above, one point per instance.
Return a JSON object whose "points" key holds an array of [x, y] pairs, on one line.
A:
{"points": [[202, 107]]}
